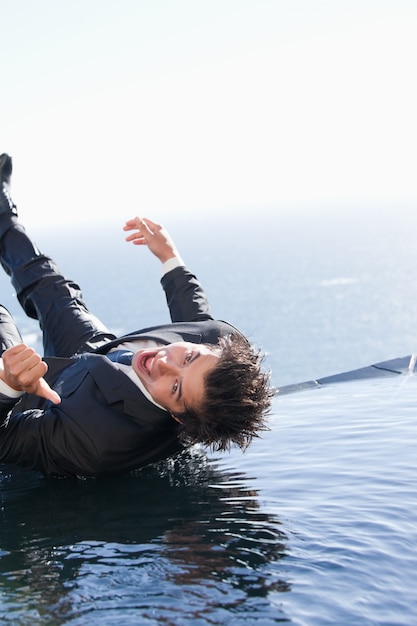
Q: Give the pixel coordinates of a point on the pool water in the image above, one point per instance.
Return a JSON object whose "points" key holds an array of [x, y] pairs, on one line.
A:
{"points": [[317, 525]]}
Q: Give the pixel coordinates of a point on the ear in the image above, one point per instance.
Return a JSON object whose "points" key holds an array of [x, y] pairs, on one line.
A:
{"points": [[177, 419]]}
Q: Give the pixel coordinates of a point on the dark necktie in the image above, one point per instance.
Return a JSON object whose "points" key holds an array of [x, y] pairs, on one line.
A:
{"points": [[120, 356]]}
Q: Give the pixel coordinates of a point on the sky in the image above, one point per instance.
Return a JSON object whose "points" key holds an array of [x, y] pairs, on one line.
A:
{"points": [[208, 108]]}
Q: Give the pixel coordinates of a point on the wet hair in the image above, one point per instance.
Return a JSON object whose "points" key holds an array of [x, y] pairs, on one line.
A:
{"points": [[236, 401]]}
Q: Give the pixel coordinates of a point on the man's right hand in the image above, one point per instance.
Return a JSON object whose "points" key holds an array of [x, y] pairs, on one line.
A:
{"points": [[23, 370], [154, 236]]}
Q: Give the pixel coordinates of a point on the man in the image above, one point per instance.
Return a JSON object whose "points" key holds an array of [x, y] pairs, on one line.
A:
{"points": [[78, 412]]}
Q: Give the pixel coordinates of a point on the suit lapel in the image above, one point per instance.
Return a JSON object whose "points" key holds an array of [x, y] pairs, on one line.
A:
{"points": [[116, 387], [163, 337]]}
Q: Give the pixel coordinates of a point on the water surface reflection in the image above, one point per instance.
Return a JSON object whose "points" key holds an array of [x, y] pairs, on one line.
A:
{"points": [[183, 541]]}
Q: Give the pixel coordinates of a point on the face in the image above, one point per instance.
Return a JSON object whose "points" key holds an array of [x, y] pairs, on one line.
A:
{"points": [[174, 374]]}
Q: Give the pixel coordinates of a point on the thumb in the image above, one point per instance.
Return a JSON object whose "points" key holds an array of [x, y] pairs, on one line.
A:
{"points": [[44, 391]]}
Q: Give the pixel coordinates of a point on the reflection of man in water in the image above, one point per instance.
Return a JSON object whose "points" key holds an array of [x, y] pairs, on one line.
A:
{"points": [[196, 531], [195, 380]]}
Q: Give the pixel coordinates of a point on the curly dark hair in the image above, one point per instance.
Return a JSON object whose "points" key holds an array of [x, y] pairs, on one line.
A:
{"points": [[236, 401]]}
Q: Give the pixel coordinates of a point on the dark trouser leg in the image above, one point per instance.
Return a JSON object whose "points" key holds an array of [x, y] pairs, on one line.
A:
{"points": [[9, 333], [46, 295]]}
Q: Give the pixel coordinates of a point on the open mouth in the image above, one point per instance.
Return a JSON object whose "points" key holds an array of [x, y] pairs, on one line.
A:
{"points": [[146, 362]]}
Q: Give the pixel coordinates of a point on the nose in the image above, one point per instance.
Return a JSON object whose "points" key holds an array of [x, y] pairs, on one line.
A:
{"points": [[167, 367]]}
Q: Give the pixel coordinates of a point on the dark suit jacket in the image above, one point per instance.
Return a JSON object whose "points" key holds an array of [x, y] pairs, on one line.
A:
{"points": [[104, 423]]}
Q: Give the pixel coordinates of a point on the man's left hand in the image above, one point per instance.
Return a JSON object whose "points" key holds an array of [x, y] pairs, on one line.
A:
{"points": [[23, 370]]}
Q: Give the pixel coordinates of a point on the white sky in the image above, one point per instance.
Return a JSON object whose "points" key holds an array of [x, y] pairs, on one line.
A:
{"points": [[118, 108]]}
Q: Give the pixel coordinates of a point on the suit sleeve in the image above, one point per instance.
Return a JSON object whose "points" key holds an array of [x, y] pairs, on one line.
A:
{"points": [[88, 444], [22, 438], [185, 296]]}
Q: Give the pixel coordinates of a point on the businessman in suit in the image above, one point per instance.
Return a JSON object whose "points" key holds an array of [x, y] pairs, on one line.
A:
{"points": [[82, 409]]}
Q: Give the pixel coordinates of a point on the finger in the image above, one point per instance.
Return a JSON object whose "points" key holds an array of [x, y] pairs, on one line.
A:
{"points": [[130, 224], [27, 377], [14, 350], [142, 224], [135, 223], [44, 391], [134, 236], [31, 362]]}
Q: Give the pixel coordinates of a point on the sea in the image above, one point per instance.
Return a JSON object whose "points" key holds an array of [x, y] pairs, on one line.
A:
{"points": [[316, 523]]}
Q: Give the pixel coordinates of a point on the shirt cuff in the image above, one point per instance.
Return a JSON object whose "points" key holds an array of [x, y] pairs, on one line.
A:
{"points": [[175, 261], [8, 391]]}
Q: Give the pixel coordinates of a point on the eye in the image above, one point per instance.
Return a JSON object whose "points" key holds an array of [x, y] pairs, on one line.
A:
{"points": [[188, 357], [174, 388]]}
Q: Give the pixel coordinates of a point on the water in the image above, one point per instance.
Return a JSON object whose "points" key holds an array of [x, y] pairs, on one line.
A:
{"points": [[316, 523], [353, 559]]}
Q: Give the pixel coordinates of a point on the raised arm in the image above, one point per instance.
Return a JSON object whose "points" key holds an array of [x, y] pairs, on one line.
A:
{"points": [[185, 296]]}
